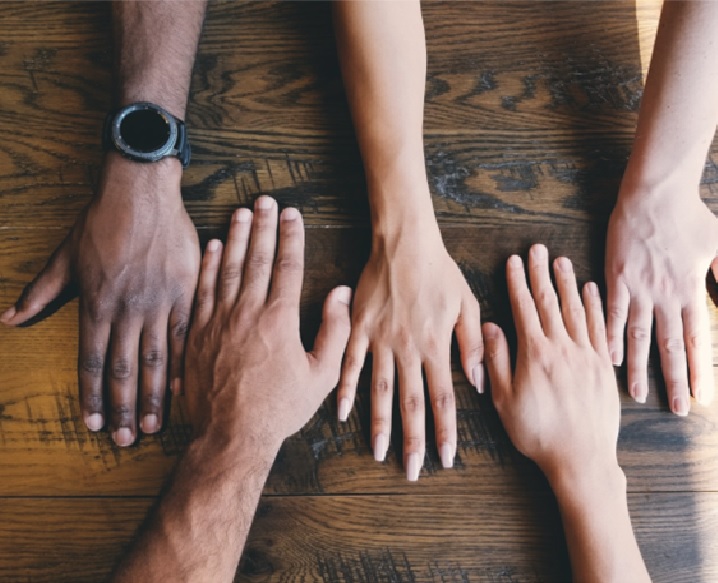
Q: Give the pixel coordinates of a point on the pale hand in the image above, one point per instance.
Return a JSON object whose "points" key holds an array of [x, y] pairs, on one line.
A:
{"points": [[410, 298], [658, 252]]}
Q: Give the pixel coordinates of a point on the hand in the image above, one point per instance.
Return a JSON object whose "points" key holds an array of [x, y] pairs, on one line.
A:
{"points": [[657, 254], [133, 255], [410, 298], [247, 373], [561, 406]]}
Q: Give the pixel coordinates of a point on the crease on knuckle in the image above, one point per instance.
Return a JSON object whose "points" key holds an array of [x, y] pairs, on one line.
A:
{"points": [[260, 259], [180, 327], [673, 346], [638, 332], [381, 387], [153, 358], [122, 414], [443, 401], [696, 342], [152, 402], [290, 264], [379, 422], [92, 401], [616, 312], [413, 444], [121, 369], [92, 364], [412, 403]]}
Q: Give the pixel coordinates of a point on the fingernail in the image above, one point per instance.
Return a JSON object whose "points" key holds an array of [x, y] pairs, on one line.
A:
{"points": [[343, 294], [94, 421], [290, 214], [616, 358], [563, 264], [679, 406], [381, 444], [514, 261], [638, 393], [176, 386], [413, 467], [539, 252], [242, 215], [148, 424], [213, 245], [123, 437], [265, 203], [447, 455], [344, 407], [8, 314], [592, 288], [477, 378]]}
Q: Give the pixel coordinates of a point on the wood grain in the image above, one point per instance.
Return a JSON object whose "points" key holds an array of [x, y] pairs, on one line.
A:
{"points": [[530, 113]]}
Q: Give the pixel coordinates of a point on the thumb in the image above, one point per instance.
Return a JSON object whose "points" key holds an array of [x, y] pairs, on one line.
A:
{"points": [[471, 346], [333, 333], [48, 284], [498, 362]]}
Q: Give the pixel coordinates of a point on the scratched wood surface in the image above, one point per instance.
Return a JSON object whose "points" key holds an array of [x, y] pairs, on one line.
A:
{"points": [[529, 118]]}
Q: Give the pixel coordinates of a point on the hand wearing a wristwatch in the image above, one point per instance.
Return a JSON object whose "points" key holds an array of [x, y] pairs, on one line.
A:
{"points": [[145, 132]]}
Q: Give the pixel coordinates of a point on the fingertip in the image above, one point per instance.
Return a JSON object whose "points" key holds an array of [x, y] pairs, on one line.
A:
{"points": [[8, 315], [242, 215], [289, 214], [94, 421], [213, 245], [344, 408], [342, 294]]}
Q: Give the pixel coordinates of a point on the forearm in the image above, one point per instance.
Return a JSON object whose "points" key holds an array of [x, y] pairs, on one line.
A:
{"points": [[155, 46], [200, 527], [598, 530], [679, 108], [382, 52]]}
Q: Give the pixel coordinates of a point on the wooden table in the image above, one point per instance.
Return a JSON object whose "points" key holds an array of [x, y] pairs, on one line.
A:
{"points": [[531, 107]]}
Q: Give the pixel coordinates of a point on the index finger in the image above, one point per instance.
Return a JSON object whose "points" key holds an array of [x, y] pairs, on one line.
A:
{"points": [[522, 304]]}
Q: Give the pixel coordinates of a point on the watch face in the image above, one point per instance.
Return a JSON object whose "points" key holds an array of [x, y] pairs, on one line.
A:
{"points": [[145, 130]]}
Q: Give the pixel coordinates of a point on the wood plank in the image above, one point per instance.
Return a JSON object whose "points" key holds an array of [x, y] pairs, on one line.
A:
{"points": [[362, 539]]}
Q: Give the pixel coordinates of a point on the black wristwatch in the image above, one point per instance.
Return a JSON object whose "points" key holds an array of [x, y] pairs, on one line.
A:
{"points": [[145, 132]]}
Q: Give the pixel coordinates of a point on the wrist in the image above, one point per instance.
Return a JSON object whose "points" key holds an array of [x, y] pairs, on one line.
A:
{"points": [[642, 184], [230, 453], [131, 180], [589, 486]]}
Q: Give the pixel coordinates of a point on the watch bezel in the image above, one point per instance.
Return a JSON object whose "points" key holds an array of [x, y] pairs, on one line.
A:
{"points": [[167, 149]]}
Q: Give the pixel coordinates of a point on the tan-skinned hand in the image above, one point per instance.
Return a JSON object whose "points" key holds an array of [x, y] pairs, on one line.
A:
{"points": [[560, 407], [247, 373]]}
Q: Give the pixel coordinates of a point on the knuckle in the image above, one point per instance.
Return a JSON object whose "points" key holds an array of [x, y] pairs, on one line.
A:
{"points": [[152, 401], [443, 400], [638, 332], [404, 341], [180, 327], [673, 345], [122, 413], [93, 401], [412, 403], [290, 264], [153, 359], [91, 364], [231, 273], [260, 259], [617, 312], [121, 369], [382, 387], [413, 444], [696, 341]]}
